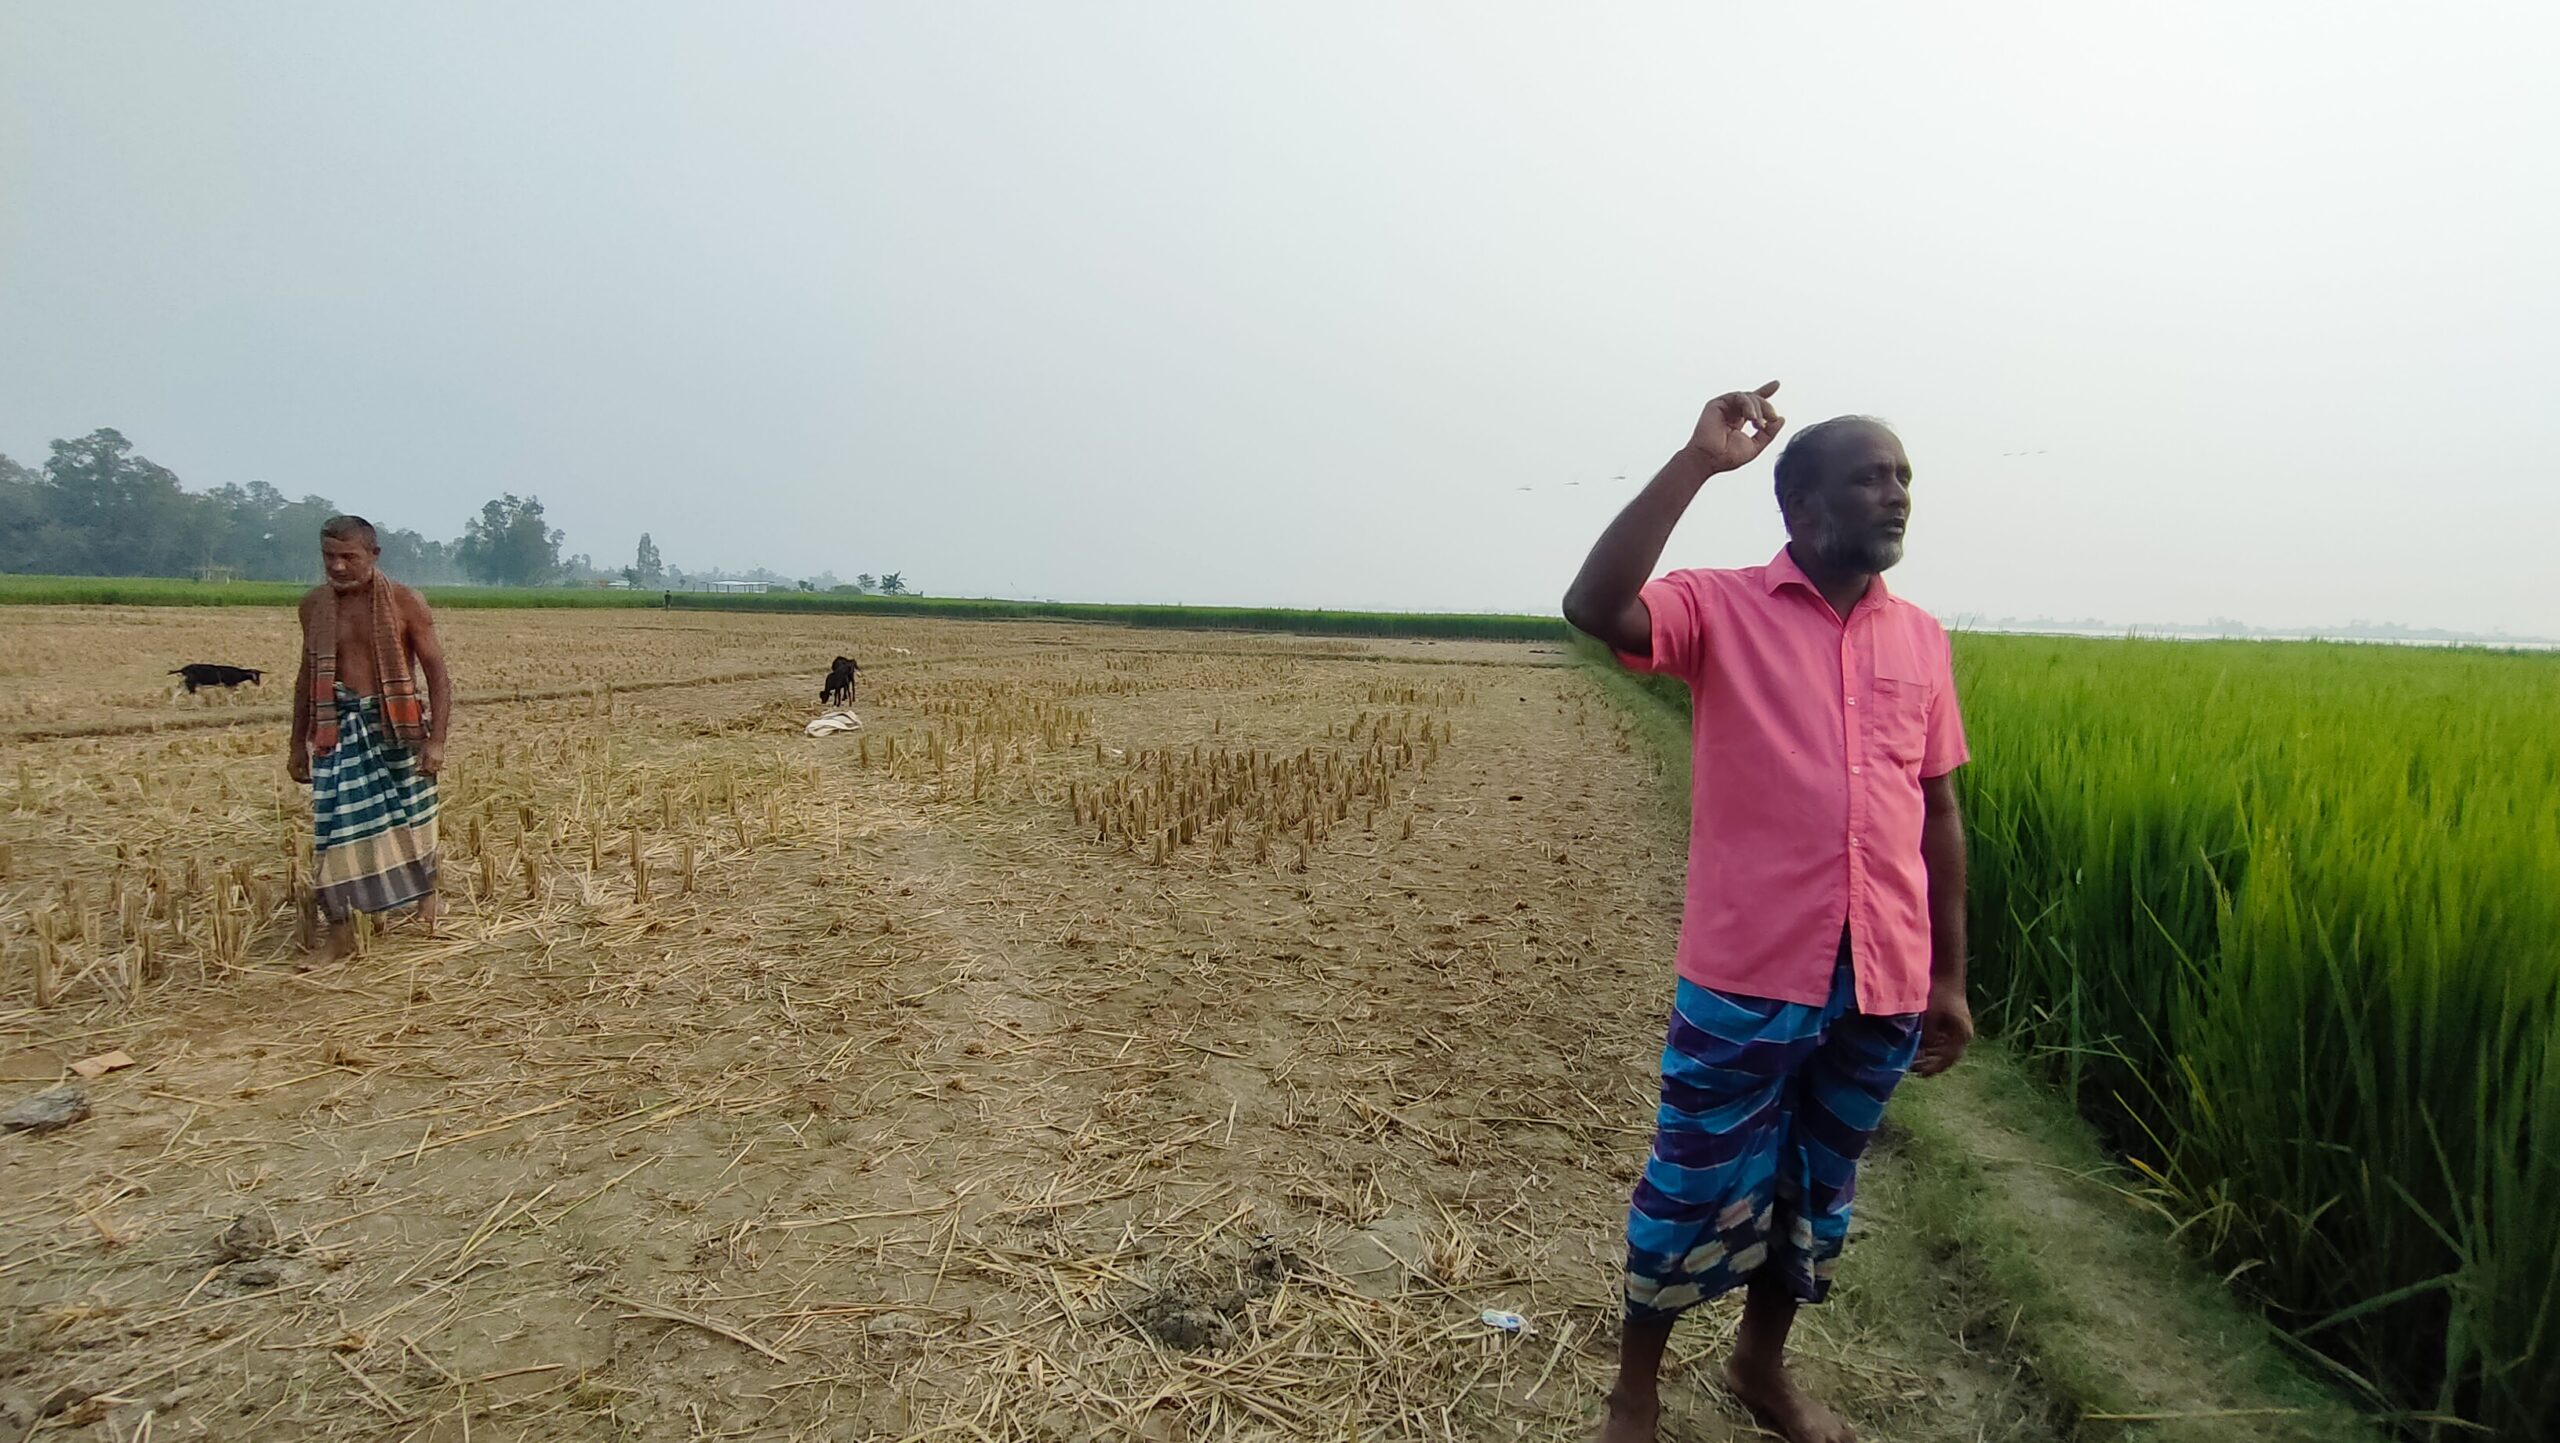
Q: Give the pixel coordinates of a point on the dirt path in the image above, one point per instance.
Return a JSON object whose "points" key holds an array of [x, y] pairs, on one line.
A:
{"points": [[925, 1114]]}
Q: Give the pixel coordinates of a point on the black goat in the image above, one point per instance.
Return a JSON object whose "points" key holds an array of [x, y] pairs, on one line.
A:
{"points": [[841, 678], [196, 676]]}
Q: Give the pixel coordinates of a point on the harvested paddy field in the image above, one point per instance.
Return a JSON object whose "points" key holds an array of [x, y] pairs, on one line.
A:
{"points": [[1124, 1035]]}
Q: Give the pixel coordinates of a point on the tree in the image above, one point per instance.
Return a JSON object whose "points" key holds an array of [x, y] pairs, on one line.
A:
{"points": [[21, 516], [866, 582], [257, 533], [410, 557], [648, 568], [99, 509], [893, 584], [507, 544], [108, 512]]}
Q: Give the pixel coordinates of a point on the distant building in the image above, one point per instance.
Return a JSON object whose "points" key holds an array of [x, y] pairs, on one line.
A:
{"points": [[734, 585]]}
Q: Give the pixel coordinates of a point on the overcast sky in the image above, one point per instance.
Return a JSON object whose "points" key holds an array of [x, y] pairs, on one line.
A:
{"points": [[2244, 310]]}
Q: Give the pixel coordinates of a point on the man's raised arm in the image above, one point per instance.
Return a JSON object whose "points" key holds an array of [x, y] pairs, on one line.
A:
{"points": [[1606, 599]]}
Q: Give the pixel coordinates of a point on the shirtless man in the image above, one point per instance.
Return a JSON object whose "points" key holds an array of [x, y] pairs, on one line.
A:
{"points": [[364, 740]]}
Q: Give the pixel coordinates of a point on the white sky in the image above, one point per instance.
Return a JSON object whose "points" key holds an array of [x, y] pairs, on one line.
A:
{"points": [[1284, 303]]}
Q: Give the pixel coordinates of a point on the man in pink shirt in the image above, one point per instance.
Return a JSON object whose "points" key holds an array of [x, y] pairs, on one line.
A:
{"points": [[1822, 943]]}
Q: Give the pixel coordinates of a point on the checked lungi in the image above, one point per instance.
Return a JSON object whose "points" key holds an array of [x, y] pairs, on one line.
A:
{"points": [[1766, 1107], [373, 817]]}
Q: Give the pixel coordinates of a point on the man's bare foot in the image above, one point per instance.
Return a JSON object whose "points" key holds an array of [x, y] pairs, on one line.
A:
{"points": [[1630, 1420], [429, 907], [342, 941], [329, 947], [1770, 1392]]}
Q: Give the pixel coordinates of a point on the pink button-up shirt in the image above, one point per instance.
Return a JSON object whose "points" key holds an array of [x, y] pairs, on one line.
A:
{"points": [[1812, 735]]}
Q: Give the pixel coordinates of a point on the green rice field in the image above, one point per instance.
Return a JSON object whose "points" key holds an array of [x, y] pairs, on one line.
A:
{"points": [[2284, 920]]}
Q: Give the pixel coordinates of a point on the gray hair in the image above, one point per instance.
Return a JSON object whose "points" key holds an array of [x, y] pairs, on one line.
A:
{"points": [[349, 528]]}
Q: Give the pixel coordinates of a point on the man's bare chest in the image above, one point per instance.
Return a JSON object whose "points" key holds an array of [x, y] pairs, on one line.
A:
{"points": [[355, 645]]}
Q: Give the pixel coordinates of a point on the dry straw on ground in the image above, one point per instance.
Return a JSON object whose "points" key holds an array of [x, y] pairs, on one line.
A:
{"points": [[876, 1086]]}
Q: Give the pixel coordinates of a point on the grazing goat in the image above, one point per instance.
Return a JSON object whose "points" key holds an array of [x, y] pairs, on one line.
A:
{"points": [[841, 677], [195, 676]]}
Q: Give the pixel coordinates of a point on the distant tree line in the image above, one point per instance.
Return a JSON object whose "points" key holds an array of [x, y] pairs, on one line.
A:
{"points": [[99, 509], [96, 508]]}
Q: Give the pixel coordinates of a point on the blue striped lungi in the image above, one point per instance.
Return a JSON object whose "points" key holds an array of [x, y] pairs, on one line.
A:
{"points": [[373, 817], [1766, 1107]]}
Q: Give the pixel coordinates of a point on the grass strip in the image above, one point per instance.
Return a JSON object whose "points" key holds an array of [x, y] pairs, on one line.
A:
{"points": [[162, 591]]}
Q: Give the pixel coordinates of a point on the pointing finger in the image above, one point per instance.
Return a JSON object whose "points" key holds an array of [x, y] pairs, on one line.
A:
{"points": [[1767, 391]]}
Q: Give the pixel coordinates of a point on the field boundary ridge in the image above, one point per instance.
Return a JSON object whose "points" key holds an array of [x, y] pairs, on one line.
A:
{"points": [[270, 715]]}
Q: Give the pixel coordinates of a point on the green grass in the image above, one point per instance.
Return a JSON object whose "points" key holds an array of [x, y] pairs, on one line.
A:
{"points": [[1455, 626], [2283, 920], [142, 591], [2015, 1193], [2286, 920]]}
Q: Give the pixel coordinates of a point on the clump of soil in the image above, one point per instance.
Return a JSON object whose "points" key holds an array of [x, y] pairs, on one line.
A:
{"points": [[1195, 1310], [252, 1257], [249, 1236]]}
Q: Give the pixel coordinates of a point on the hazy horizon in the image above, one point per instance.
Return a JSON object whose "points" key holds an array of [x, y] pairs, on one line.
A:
{"points": [[2228, 311]]}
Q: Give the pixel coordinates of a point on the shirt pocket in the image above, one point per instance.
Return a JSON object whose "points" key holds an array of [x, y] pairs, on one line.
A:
{"points": [[1901, 715]]}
